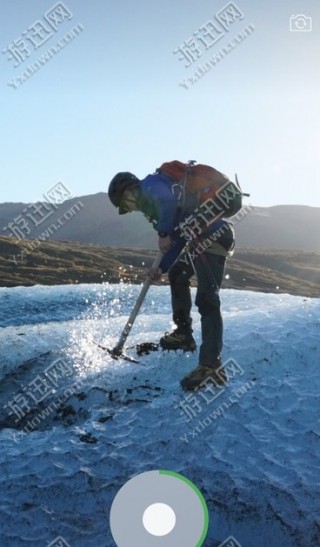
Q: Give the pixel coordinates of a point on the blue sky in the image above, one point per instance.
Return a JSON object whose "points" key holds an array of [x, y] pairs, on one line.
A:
{"points": [[110, 100]]}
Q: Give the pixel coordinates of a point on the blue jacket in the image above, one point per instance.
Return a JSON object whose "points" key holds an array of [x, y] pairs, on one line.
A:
{"points": [[158, 201]]}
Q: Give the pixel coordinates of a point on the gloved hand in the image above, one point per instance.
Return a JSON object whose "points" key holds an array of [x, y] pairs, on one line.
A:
{"points": [[164, 243]]}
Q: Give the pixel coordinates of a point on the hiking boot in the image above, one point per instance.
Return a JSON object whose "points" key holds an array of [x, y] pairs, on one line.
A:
{"points": [[178, 340], [202, 375]]}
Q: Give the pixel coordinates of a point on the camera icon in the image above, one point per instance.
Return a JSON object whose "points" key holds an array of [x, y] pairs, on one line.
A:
{"points": [[300, 23]]}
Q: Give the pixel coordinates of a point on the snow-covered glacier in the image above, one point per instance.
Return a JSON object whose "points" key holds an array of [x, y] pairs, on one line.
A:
{"points": [[76, 424]]}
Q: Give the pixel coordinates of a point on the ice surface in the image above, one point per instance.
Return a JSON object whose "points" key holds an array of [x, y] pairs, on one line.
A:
{"points": [[253, 450]]}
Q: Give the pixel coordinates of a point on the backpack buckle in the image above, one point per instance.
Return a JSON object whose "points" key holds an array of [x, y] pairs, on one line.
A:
{"points": [[178, 192]]}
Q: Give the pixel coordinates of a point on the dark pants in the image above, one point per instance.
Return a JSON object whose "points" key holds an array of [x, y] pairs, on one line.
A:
{"points": [[209, 270]]}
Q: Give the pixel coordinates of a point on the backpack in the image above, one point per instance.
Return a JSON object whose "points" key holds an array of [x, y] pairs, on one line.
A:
{"points": [[205, 185]]}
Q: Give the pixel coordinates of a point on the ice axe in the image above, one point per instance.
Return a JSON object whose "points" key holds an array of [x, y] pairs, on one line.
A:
{"points": [[117, 351]]}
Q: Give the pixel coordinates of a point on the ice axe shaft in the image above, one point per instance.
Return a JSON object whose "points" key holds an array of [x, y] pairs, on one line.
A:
{"points": [[117, 350]]}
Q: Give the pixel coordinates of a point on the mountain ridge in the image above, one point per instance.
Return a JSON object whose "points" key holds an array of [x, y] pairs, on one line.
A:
{"points": [[92, 219], [61, 262]]}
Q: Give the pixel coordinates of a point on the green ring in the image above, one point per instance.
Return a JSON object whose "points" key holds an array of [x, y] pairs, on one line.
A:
{"points": [[200, 496]]}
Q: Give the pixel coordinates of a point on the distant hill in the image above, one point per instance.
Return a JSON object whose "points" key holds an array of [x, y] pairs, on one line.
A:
{"points": [[92, 219], [53, 263]]}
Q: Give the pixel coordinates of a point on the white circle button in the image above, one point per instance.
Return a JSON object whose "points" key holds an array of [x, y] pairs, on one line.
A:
{"points": [[159, 519]]}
